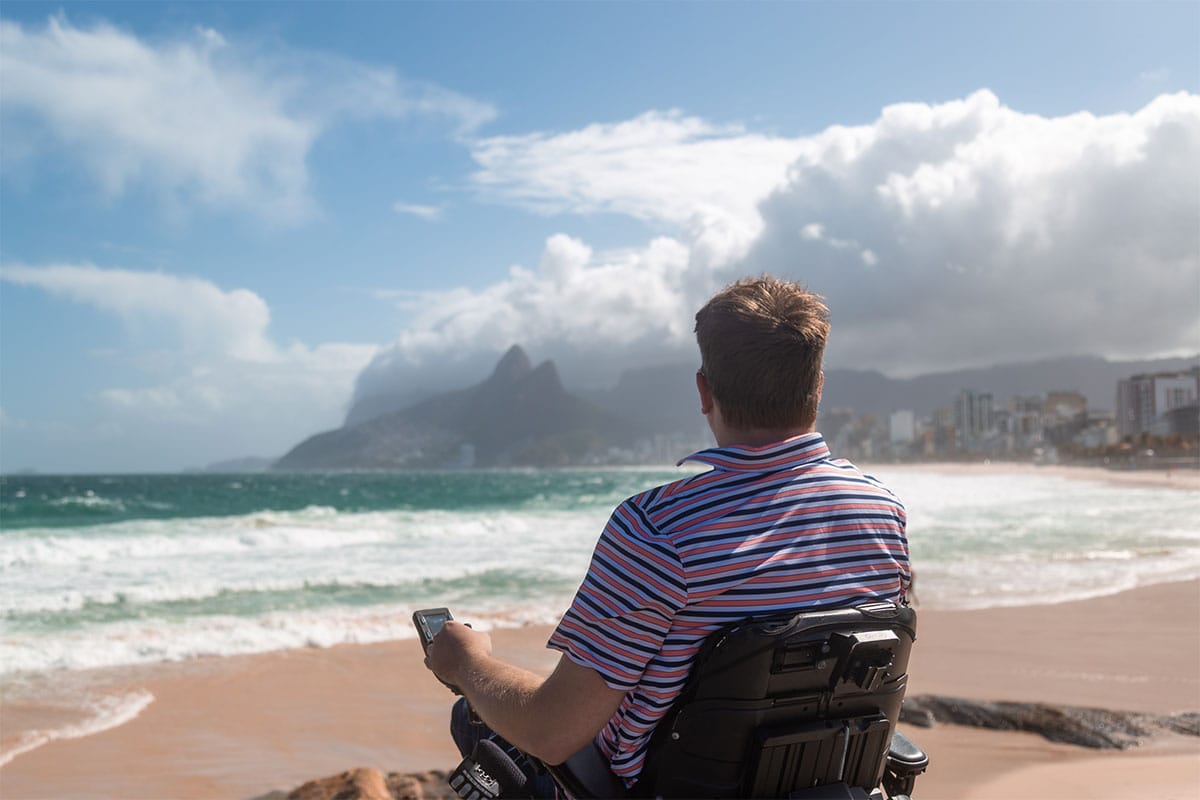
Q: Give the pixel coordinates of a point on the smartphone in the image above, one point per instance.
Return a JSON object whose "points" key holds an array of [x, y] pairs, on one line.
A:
{"points": [[428, 622]]}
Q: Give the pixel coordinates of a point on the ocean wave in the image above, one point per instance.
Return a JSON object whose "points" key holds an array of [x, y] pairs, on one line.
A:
{"points": [[143, 641], [102, 714], [269, 534], [143, 590], [173, 598], [312, 528], [89, 500], [315, 556], [1021, 580]]}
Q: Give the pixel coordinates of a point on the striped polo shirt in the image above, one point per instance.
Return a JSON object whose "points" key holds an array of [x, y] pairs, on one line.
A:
{"points": [[766, 529]]}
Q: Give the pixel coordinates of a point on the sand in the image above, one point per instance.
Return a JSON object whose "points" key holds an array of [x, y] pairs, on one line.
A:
{"points": [[1134, 651], [241, 727]]}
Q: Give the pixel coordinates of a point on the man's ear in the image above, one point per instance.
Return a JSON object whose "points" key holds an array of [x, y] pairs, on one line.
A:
{"points": [[705, 391]]}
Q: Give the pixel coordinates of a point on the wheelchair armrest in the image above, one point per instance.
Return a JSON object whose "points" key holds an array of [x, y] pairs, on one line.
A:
{"points": [[904, 755], [905, 761]]}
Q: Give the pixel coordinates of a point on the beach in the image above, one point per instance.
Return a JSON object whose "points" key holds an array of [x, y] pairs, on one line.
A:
{"points": [[243, 726], [146, 688]]}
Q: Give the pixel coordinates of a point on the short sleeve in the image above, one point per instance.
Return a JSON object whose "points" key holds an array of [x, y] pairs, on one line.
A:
{"points": [[627, 602]]}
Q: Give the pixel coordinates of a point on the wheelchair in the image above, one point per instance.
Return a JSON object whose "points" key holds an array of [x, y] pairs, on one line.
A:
{"points": [[801, 705]]}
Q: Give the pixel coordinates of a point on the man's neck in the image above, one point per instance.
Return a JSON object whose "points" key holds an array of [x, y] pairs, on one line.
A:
{"points": [[759, 437]]}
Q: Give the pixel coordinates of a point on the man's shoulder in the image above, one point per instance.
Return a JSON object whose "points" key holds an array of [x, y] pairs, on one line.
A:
{"points": [[649, 508], [865, 478], [672, 492]]}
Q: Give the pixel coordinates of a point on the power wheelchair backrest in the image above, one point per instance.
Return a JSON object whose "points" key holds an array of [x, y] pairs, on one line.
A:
{"points": [[777, 705]]}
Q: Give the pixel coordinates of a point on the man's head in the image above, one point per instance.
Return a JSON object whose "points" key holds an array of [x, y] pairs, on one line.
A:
{"points": [[761, 342]]}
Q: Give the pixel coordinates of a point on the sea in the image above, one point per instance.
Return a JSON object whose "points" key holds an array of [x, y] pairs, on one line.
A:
{"points": [[107, 571]]}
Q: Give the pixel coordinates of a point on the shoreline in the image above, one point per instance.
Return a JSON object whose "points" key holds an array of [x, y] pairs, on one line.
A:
{"points": [[1182, 479], [244, 726]]}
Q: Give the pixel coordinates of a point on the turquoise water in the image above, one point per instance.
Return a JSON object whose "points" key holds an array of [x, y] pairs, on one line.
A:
{"points": [[52, 501], [110, 570]]}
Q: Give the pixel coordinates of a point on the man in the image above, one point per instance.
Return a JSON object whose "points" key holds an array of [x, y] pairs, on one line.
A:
{"points": [[776, 524]]}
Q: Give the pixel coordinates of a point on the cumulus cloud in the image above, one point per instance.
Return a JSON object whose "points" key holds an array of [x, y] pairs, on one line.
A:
{"points": [[969, 233], [595, 313], [220, 123], [223, 378], [944, 235]]}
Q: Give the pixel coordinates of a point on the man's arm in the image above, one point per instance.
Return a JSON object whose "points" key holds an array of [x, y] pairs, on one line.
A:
{"points": [[551, 718]]}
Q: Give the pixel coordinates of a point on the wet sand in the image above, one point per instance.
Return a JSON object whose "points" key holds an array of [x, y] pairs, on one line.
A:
{"points": [[243, 726]]}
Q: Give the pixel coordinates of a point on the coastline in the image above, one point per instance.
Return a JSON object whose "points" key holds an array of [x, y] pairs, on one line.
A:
{"points": [[245, 726], [1185, 479]]}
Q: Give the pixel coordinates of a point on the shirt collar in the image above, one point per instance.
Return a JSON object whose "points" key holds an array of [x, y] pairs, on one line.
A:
{"points": [[802, 449]]}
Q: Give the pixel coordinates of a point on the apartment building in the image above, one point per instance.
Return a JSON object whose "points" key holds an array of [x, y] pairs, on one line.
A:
{"points": [[1145, 403]]}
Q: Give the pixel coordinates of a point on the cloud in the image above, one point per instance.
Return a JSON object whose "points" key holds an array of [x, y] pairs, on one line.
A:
{"points": [[969, 233], [428, 213], [594, 313], [214, 374], [943, 235], [202, 119], [277, 402], [660, 167], [232, 324]]}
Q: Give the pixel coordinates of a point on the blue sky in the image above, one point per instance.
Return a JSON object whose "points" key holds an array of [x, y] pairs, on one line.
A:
{"points": [[217, 219]]}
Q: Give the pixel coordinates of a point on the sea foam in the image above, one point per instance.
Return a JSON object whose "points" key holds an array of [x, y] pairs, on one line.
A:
{"points": [[102, 714]]}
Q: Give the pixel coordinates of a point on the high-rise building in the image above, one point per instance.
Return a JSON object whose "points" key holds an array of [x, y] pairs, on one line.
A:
{"points": [[973, 417], [945, 435], [1142, 399]]}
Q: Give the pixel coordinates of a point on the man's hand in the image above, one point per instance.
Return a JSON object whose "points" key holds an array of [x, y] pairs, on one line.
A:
{"points": [[454, 648]]}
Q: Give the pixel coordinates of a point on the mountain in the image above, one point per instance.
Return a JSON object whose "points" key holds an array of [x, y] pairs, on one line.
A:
{"points": [[657, 399], [663, 398], [518, 415], [522, 415]]}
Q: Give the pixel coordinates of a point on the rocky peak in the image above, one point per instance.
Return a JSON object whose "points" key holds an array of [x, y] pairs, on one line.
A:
{"points": [[544, 380], [512, 366]]}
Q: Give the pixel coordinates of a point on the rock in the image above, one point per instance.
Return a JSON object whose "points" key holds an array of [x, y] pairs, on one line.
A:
{"points": [[362, 783], [1086, 727], [420, 786], [365, 783]]}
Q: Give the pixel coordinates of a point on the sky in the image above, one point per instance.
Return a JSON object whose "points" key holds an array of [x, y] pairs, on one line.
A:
{"points": [[222, 222]]}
